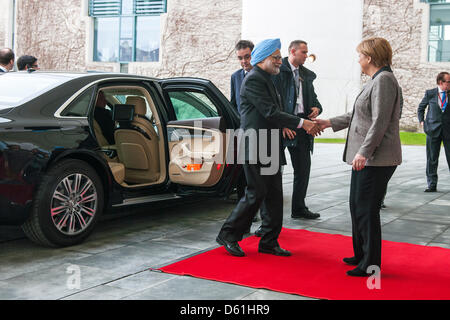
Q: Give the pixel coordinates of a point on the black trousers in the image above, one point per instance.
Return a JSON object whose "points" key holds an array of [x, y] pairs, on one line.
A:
{"points": [[366, 193], [301, 163], [267, 188], [433, 152]]}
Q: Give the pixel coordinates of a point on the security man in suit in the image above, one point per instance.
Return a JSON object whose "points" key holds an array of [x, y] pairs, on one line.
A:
{"points": [[6, 60], [261, 111], [295, 84], [244, 50], [436, 126]]}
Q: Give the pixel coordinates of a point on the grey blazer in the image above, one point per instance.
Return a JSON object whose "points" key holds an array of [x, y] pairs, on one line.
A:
{"points": [[374, 123]]}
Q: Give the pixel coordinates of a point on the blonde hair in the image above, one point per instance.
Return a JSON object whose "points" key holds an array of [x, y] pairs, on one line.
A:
{"points": [[378, 49]]}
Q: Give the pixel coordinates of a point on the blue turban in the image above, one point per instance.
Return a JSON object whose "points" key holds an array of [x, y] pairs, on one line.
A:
{"points": [[264, 49]]}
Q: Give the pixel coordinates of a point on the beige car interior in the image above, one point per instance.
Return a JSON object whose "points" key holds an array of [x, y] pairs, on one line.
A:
{"points": [[198, 159], [195, 160], [140, 156]]}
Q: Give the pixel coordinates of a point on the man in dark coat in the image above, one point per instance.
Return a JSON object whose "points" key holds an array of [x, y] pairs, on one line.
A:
{"points": [[295, 84], [261, 110], [244, 50], [436, 126]]}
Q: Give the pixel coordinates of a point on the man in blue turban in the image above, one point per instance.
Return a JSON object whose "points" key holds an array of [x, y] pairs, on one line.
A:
{"points": [[261, 111]]}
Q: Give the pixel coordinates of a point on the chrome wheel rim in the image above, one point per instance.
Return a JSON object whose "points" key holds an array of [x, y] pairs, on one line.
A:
{"points": [[74, 204]]}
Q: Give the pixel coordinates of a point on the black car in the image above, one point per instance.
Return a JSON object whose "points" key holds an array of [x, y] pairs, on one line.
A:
{"points": [[73, 145]]}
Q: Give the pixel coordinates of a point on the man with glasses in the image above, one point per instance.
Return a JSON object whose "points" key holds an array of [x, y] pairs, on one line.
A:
{"points": [[244, 50], [27, 62], [261, 110], [295, 84], [436, 125]]}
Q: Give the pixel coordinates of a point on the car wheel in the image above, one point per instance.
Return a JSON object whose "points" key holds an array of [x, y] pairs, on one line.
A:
{"points": [[66, 206]]}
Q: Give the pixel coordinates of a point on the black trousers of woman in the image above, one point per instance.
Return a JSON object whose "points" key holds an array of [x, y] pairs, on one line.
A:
{"points": [[366, 194]]}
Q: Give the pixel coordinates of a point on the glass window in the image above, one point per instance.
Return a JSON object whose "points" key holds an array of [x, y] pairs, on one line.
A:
{"points": [[106, 48], [439, 33], [127, 30], [192, 105], [80, 106], [147, 38]]}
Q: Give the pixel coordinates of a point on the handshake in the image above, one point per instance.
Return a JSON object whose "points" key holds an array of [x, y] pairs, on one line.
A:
{"points": [[314, 127]]}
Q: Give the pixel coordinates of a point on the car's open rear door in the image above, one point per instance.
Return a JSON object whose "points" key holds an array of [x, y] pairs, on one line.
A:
{"points": [[197, 136]]}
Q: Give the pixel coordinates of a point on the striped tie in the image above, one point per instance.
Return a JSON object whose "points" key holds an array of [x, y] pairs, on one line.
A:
{"points": [[444, 101]]}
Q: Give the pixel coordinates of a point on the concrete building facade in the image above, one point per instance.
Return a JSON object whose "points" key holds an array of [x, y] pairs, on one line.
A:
{"points": [[197, 38]]}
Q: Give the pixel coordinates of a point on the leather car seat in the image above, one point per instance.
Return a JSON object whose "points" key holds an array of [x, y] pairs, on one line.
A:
{"points": [[138, 146]]}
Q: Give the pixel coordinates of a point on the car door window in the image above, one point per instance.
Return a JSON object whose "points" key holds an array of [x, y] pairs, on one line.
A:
{"points": [[192, 105], [80, 106]]}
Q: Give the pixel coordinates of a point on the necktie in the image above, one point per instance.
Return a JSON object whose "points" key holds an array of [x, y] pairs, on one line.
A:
{"points": [[297, 79], [444, 101]]}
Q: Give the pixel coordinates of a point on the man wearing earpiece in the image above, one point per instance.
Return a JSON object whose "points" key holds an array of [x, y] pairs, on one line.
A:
{"points": [[295, 85]]}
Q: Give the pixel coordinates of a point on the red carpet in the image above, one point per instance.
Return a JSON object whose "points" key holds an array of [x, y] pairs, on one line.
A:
{"points": [[316, 270]]}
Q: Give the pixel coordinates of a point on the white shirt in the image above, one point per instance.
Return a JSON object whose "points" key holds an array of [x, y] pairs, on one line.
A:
{"points": [[4, 69], [299, 106]]}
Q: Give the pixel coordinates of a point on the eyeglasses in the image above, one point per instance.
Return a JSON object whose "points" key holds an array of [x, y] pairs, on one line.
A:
{"points": [[276, 57], [246, 57]]}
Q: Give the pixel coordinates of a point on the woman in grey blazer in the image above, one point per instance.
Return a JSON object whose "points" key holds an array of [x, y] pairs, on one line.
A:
{"points": [[373, 150]]}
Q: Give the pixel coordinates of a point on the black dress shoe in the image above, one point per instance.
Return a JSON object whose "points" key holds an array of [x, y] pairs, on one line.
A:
{"points": [[305, 215], [278, 251], [430, 189], [259, 233], [351, 261], [233, 248], [357, 273]]}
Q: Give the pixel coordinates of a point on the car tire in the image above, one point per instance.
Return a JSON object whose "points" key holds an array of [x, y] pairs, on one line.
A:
{"points": [[67, 205]]}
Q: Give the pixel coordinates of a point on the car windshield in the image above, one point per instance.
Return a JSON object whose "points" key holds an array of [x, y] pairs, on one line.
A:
{"points": [[17, 88]]}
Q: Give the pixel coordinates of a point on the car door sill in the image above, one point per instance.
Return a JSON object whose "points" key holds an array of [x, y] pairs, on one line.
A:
{"points": [[153, 198]]}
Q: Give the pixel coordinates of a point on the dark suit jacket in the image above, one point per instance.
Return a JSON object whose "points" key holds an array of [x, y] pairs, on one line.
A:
{"points": [[236, 82], [436, 121], [284, 82], [261, 108]]}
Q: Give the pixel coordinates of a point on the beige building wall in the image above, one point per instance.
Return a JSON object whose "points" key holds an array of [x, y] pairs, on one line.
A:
{"points": [[197, 38], [405, 23], [53, 32]]}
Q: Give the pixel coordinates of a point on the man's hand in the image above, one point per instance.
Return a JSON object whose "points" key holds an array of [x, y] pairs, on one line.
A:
{"points": [[322, 123], [311, 128], [359, 162], [288, 133], [421, 123], [315, 112]]}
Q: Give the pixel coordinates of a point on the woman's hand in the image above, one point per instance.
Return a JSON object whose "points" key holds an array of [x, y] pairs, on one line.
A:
{"points": [[322, 123], [359, 162]]}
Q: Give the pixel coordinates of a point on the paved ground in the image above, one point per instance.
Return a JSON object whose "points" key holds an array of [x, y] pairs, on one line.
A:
{"points": [[114, 263]]}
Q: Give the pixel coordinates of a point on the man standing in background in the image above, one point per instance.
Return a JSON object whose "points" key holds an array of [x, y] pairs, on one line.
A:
{"points": [[436, 125], [244, 50], [295, 85], [6, 60], [27, 62]]}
